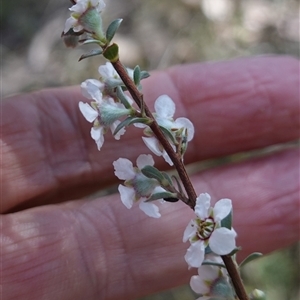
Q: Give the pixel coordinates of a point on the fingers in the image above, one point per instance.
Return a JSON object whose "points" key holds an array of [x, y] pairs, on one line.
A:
{"points": [[100, 250], [235, 105], [239, 105]]}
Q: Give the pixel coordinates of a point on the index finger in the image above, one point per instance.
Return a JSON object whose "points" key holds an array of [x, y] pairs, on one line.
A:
{"points": [[49, 155]]}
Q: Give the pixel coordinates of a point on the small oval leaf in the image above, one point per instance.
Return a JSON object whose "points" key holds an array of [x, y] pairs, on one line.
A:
{"points": [[86, 42], [227, 221], [129, 121], [250, 257], [122, 97], [137, 75], [152, 172], [168, 179], [169, 135], [112, 53], [112, 29], [144, 74], [90, 54]]}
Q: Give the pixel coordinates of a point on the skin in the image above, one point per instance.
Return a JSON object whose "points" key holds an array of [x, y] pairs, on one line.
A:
{"points": [[96, 248]]}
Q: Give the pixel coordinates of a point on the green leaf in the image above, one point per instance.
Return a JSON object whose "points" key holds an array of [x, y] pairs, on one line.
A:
{"points": [[129, 121], [169, 135], [250, 257], [179, 187], [112, 29], [168, 179], [112, 53], [92, 53], [90, 42], [137, 75], [234, 251], [227, 221], [122, 97], [161, 195], [152, 172], [208, 250], [212, 263], [144, 74]]}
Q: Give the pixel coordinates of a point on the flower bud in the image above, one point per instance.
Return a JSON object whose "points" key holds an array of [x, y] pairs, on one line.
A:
{"points": [[257, 295]]}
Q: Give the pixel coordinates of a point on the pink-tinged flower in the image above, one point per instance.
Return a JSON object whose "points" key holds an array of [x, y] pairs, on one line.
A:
{"points": [[104, 113], [137, 187], [86, 16], [206, 230], [182, 129]]}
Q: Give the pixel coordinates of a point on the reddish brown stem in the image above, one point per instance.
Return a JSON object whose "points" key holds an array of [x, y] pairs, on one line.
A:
{"points": [[138, 98], [235, 277]]}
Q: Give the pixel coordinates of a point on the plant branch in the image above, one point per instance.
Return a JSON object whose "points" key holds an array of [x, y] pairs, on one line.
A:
{"points": [[235, 277], [138, 98]]}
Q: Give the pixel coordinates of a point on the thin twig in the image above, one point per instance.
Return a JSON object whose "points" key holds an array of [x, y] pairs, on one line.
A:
{"points": [[138, 98], [235, 277]]}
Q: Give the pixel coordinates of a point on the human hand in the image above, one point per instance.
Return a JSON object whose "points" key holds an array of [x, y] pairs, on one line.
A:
{"points": [[97, 249]]}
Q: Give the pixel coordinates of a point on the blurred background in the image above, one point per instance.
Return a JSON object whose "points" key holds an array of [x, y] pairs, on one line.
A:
{"points": [[156, 34]]}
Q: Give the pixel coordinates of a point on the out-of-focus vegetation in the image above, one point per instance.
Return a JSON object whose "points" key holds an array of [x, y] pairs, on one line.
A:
{"points": [[156, 34]]}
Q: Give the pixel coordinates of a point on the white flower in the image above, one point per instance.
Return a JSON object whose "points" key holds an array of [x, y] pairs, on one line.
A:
{"points": [[103, 113], [164, 112], [92, 89], [110, 77], [202, 282], [108, 81], [156, 147], [79, 10], [137, 186], [212, 281], [182, 128], [206, 230]]}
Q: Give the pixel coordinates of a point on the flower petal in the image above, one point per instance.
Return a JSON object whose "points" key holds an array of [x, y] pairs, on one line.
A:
{"points": [[80, 7], [195, 254], [70, 22], [186, 123], [91, 89], [198, 285], [221, 209], [222, 241], [208, 272], [98, 136], [88, 112], [166, 156], [127, 195], [124, 169], [207, 275], [150, 209], [98, 4], [107, 71], [202, 205], [153, 144], [113, 127], [164, 106], [190, 231], [144, 160]]}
